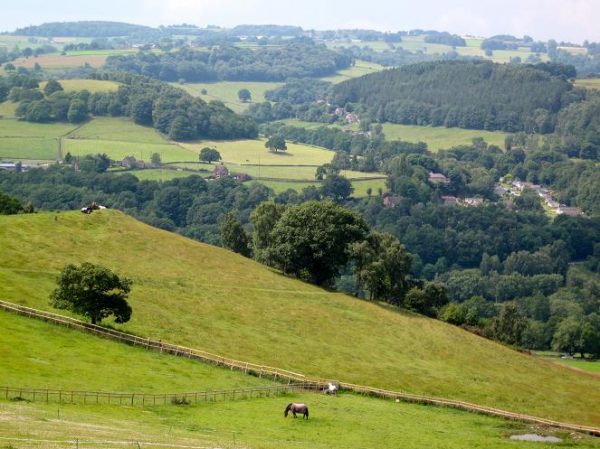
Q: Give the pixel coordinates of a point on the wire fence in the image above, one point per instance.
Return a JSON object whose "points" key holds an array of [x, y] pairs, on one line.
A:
{"points": [[143, 399], [295, 380]]}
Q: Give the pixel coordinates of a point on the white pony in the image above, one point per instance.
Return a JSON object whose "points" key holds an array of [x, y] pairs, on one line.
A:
{"points": [[331, 388]]}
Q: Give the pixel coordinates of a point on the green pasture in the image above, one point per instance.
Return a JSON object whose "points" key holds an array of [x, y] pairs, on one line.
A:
{"points": [[359, 68], [254, 152], [166, 174], [121, 129], [227, 92], [31, 148], [290, 172], [438, 138], [585, 365], [24, 140], [205, 297], [589, 83], [90, 85], [342, 422], [7, 109], [119, 138], [56, 63], [118, 150], [360, 187], [36, 354]]}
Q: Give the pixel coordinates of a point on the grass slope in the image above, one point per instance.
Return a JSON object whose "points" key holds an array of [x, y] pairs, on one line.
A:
{"points": [[39, 355], [201, 296]]}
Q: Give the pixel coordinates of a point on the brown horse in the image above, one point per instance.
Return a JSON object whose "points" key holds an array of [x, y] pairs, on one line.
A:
{"points": [[296, 408]]}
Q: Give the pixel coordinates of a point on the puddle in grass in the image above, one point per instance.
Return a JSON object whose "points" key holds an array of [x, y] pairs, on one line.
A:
{"points": [[533, 437]]}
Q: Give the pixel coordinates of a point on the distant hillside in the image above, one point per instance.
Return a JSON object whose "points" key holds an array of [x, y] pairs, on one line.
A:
{"points": [[205, 297], [471, 95], [84, 29]]}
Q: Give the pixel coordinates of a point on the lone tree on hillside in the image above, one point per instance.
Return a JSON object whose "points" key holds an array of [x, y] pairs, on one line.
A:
{"points": [[312, 241], [209, 154], [276, 143], [92, 291], [244, 95]]}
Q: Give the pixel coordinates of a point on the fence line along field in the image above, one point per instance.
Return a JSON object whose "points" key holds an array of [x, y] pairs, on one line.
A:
{"points": [[342, 422]]}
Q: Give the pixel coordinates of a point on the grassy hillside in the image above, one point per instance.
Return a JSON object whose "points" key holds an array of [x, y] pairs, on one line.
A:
{"points": [[38, 355], [201, 296]]}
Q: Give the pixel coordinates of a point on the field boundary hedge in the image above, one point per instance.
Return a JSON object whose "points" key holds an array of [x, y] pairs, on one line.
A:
{"points": [[299, 380]]}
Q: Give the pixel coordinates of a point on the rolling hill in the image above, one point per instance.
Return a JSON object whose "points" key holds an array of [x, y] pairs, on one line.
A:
{"points": [[205, 297]]}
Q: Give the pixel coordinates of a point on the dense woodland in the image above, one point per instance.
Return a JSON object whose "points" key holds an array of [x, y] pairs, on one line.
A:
{"points": [[472, 95], [296, 59]]}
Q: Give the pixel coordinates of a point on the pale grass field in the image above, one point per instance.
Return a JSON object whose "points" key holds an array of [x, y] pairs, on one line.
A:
{"points": [[90, 85], [227, 92], [254, 152]]}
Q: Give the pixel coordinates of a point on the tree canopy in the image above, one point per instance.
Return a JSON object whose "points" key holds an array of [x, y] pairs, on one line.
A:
{"points": [[92, 291], [312, 241]]}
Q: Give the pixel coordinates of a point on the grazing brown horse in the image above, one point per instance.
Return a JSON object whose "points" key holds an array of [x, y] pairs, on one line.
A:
{"points": [[296, 408]]}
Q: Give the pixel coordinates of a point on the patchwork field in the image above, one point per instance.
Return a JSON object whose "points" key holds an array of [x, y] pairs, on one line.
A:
{"points": [[417, 43]]}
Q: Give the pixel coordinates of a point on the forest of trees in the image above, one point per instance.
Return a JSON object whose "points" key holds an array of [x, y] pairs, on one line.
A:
{"points": [[298, 58], [85, 29], [492, 96]]}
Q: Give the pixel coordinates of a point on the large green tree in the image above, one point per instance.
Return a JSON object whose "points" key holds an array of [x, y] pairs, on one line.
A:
{"points": [[234, 237], [92, 291], [276, 143], [312, 241], [209, 154]]}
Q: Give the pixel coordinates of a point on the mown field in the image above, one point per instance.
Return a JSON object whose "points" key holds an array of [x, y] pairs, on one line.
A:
{"points": [[359, 68], [200, 296], [438, 138], [590, 83], [29, 141], [90, 85], [227, 92]]}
